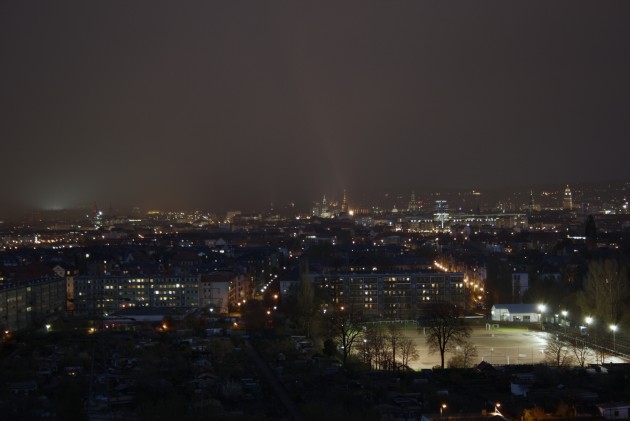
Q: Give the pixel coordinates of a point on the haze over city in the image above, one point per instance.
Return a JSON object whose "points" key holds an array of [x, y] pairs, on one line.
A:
{"points": [[237, 105], [341, 210]]}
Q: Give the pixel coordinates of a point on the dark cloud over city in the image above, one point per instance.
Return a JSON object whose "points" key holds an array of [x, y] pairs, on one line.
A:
{"points": [[238, 104]]}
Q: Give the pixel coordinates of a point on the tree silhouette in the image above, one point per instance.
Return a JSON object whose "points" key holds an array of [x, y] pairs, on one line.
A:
{"points": [[580, 351], [606, 291], [557, 353], [445, 328], [465, 356], [346, 326], [408, 351], [394, 336]]}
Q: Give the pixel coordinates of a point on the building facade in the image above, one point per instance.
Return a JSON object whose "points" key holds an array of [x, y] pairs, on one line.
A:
{"points": [[214, 291], [567, 200], [400, 295], [102, 295], [528, 313], [32, 302]]}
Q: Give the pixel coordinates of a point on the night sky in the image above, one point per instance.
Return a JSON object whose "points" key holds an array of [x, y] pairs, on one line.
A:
{"points": [[236, 104]]}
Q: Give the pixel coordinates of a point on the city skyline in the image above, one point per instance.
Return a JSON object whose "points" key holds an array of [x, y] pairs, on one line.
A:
{"points": [[588, 197], [223, 106]]}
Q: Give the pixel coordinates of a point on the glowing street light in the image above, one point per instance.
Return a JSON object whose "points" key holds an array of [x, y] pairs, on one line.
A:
{"points": [[588, 320], [614, 330], [442, 408], [541, 309]]}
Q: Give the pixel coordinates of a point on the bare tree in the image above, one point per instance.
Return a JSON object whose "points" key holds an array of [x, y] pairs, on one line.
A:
{"points": [[408, 351], [465, 356], [606, 291], [368, 348], [580, 351], [445, 328], [376, 348], [557, 352], [599, 343], [394, 336], [347, 327], [386, 349]]}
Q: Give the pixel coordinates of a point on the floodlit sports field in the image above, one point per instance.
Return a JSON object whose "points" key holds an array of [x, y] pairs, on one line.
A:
{"points": [[497, 346]]}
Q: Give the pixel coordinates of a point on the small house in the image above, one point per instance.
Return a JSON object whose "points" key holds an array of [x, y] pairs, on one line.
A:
{"points": [[528, 313], [615, 411]]}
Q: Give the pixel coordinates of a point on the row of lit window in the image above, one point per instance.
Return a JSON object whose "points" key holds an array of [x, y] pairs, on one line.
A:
{"points": [[157, 292], [395, 292], [373, 283], [395, 305]]}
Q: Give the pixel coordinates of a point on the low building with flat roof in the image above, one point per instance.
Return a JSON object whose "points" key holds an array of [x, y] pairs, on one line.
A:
{"points": [[516, 313]]}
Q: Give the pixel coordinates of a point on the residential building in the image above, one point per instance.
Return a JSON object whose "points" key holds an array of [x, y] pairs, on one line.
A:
{"points": [[101, 295], [29, 302], [397, 295], [214, 289]]}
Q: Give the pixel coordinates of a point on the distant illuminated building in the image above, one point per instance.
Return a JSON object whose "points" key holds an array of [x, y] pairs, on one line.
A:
{"points": [[567, 201], [231, 215], [322, 209], [413, 204], [325, 211], [344, 203], [97, 216], [441, 214]]}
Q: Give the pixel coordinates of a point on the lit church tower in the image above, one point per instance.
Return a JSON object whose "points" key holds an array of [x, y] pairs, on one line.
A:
{"points": [[324, 213], [413, 204], [567, 201], [344, 203]]}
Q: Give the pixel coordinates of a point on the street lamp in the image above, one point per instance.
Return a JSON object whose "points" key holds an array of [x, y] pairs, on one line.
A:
{"points": [[497, 405], [541, 309], [442, 408], [589, 321], [564, 322], [614, 330]]}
